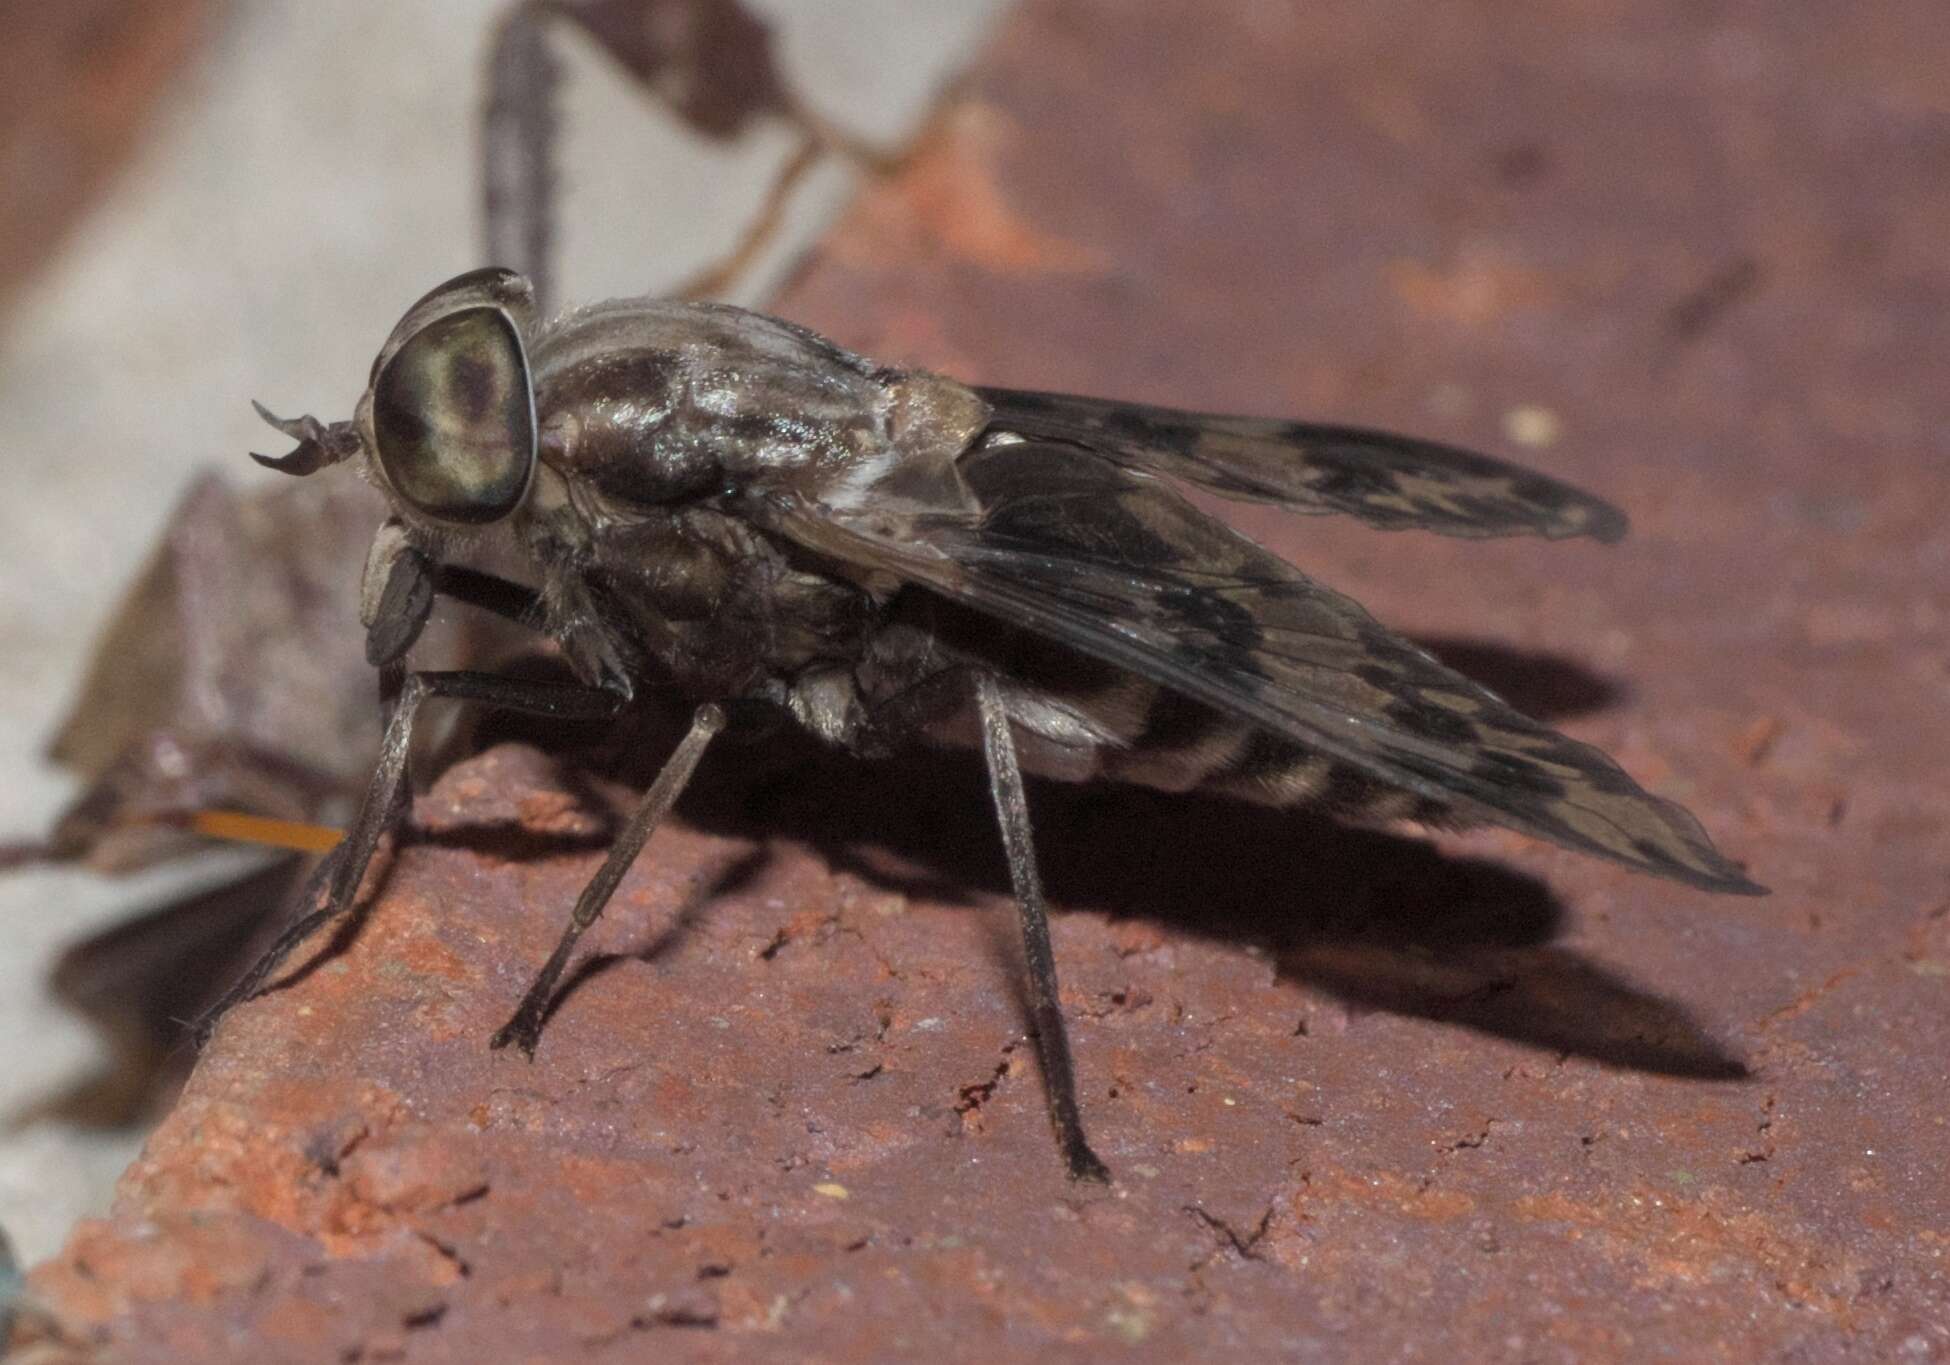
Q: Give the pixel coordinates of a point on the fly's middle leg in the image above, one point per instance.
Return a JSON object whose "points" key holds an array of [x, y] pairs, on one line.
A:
{"points": [[524, 1029]]}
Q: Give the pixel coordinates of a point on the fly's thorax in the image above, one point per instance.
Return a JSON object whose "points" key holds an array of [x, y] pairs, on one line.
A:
{"points": [[620, 423], [655, 402], [711, 336]]}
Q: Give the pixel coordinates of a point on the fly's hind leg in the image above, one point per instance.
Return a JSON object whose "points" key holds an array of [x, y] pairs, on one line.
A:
{"points": [[911, 713], [1052, 1038]]}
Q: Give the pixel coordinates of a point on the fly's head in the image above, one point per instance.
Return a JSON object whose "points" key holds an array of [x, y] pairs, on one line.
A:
{"points": [[447, 422]]}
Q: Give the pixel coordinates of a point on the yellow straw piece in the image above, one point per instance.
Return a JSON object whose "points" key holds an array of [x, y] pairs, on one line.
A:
{"points": [[256, 829]]}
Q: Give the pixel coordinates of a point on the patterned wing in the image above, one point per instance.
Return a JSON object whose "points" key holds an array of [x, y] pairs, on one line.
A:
{"points": [[1390, 482], [1116, 564]]}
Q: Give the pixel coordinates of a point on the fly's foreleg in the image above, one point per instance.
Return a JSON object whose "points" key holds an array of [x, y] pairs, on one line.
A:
{"points": [[344, 868]]}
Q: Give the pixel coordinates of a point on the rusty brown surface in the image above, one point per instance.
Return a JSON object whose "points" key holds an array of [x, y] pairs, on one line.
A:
{"points": [[1365, 1096]]}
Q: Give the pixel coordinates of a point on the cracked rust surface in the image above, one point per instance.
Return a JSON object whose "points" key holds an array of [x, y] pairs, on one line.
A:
{"points": [[1364, 1095]]}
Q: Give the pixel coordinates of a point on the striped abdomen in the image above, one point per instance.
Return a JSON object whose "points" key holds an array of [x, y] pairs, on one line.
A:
{"points": [[1079, 719], [1183, 745]]}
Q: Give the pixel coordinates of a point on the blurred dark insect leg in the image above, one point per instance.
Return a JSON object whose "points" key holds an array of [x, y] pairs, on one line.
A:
{"points": [[518, 132]]}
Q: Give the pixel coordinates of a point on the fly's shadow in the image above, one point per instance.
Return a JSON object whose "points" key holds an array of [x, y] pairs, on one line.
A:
{"points": [[1379, 920], [1549, 686]]}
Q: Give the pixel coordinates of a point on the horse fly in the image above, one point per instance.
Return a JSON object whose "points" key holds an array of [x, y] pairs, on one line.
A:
{"points": [[724, 505]]}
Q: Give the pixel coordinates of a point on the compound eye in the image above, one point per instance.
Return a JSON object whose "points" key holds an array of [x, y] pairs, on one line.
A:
{"points": [[453, 415]]}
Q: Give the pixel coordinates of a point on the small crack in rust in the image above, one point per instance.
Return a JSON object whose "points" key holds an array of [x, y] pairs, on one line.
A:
{"points": [[974, 1096], [1808, 999], [1763, 1126], [1469, 1142], [1246, 1247], [327, 1150]]}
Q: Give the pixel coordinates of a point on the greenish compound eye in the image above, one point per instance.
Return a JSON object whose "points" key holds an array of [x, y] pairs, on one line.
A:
{"points": [[453, 414]]}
